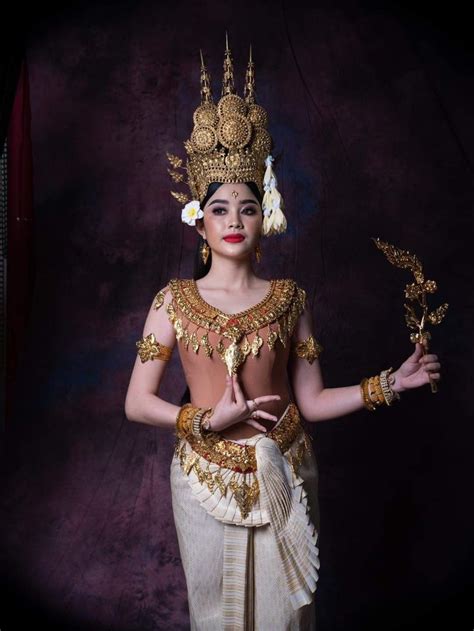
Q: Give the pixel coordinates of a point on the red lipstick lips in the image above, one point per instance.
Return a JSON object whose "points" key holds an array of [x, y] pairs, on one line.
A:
{"points": [[234, 238]]}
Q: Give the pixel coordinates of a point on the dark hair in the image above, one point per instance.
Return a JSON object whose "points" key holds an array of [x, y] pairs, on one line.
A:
{"points": [[201, 269]]}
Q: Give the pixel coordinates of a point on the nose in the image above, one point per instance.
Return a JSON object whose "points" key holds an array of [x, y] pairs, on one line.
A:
{"points": [[235, 220]]}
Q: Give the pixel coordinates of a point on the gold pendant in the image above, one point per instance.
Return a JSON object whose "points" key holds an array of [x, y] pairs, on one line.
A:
{"points": [[245, 347], [194, 342], [205, 343], [233, 357], [272, 338], [256, 344]]}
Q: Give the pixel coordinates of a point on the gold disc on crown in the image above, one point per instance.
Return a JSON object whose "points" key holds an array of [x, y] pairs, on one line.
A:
{"points": [[232, 104], [203, 138], [234, 131], [206, 114], [261, 140], [257, 115]]}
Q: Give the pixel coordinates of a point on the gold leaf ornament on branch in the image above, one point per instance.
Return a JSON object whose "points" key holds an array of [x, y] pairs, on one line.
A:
{"points": [[417, 315]]}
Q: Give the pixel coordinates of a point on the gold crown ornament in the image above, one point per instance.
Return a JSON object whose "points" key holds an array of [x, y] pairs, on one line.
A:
{"points": [[229, 144]]}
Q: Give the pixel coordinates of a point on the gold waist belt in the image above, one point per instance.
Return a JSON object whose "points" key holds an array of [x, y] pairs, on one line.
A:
{"points": [[241, 458], [223, 473]]}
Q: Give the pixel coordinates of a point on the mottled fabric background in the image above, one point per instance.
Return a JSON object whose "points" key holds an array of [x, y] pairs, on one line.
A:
{"points": [[371, 114]]}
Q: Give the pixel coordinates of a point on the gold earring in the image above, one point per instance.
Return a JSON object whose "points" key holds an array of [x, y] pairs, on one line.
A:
{"points": [[205, 249], [258, 253]]}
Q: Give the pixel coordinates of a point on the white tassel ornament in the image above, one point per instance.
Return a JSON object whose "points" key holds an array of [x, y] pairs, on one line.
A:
{"points": [[274, 221]]}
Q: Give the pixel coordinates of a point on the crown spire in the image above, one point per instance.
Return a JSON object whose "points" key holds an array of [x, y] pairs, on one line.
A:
{"points": [[229, 143], [249, 86], [206, 93], [228, 78]]}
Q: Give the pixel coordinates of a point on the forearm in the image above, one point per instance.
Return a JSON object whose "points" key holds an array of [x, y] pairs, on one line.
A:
{"points": [[333, 403], [152, 410]]}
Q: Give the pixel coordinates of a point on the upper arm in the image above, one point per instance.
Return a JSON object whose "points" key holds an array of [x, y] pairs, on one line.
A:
{"points": [[146, 375], [304, 368]]}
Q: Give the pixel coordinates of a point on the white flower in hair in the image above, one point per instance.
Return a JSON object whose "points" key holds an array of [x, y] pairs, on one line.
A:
{"points": [[191, 212]]}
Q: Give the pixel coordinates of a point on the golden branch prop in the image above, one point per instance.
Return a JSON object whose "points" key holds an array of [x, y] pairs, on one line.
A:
{"points": [[415, 292]]}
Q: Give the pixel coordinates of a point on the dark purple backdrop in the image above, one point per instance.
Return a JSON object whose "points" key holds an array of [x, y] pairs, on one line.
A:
{"points": [[371, 113]]}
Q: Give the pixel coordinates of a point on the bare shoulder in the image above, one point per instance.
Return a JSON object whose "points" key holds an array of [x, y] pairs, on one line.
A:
{"points": [[157, 321]]}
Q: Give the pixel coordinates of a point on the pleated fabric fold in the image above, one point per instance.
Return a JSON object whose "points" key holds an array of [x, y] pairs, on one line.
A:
{"points": [[237, 579], [285, 500]]}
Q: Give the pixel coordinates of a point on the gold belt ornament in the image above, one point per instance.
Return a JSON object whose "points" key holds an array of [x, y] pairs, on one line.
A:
{"points": [[236, 463], [241, 458]]}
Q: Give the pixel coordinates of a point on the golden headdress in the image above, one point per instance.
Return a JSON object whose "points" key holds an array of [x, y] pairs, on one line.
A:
{"points": [[229, 144]]}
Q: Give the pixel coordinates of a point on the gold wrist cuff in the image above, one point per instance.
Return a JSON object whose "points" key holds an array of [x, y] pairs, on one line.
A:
{"points": [[184, 420], [206, 420], [197, 421], [389, 395], [364, 384], [376, 390]]}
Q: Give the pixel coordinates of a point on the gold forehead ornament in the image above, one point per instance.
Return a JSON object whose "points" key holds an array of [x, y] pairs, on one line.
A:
{"points": [[229, 144]]}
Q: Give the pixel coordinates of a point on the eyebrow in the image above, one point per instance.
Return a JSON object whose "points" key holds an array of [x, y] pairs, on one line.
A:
{"points": [[224, 201]]}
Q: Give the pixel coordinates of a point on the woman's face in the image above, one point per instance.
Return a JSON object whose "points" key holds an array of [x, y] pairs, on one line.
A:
{"points": [[232, 210]]}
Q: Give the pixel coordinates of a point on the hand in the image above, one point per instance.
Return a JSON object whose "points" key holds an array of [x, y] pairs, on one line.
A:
{"points": [[233, 408], [416, 371]]}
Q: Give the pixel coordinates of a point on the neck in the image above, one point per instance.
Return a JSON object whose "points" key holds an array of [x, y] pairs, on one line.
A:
{"points": [[231, 273]]}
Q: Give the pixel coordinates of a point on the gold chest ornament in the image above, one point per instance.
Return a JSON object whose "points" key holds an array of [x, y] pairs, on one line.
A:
{"points": [[281, 307]]}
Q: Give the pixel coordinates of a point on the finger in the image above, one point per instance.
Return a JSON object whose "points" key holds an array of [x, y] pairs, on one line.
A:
{"points": [[228, 386], [255, 424], [263, 414], [418, 352], [432, 366], [435, 375], [430, 358], [267, 397], [239, 396], [229, 391]]}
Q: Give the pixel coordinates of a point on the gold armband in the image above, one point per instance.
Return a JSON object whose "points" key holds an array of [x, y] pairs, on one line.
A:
{"points": [[149, 348], [308, 349]]}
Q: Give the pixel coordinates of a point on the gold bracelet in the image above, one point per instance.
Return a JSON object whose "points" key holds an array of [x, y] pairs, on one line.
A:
{"points": [[197, 421], [206, 420], [184, 419], [389, 395], [365, 394], [376, 390]]}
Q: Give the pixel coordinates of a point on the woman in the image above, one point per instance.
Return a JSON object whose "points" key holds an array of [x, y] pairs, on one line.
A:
{"points": [[243, 476]]}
